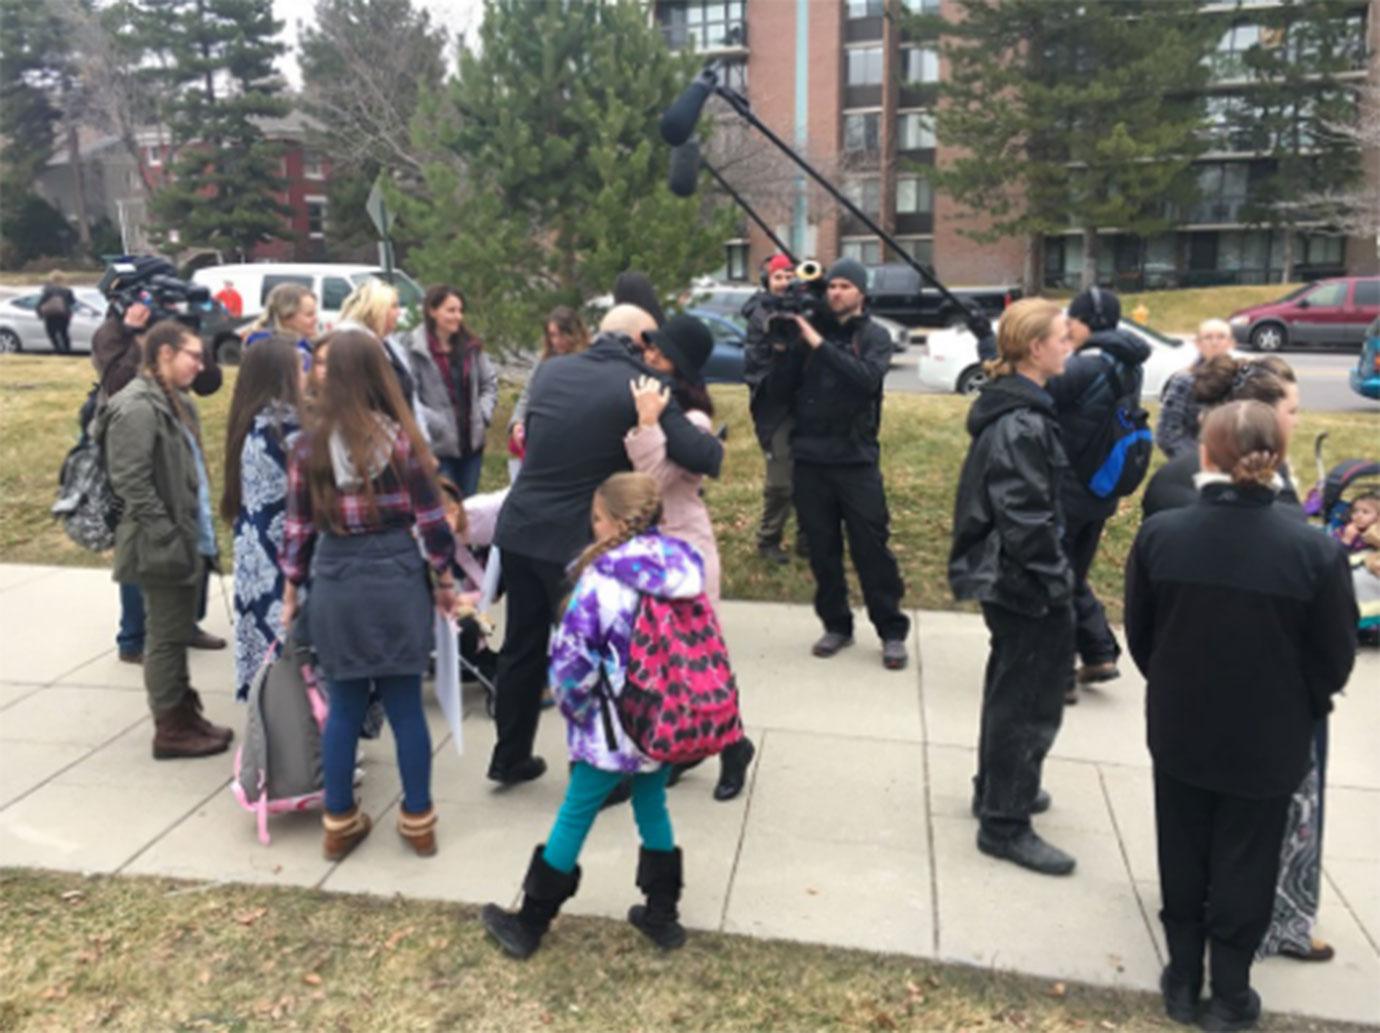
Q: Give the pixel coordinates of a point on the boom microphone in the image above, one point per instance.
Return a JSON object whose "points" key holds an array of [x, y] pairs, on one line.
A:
{"points": [[685, 168], [678, 121]]}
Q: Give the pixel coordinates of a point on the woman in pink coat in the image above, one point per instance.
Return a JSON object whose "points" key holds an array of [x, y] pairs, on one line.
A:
{"points": [[680, 350]]}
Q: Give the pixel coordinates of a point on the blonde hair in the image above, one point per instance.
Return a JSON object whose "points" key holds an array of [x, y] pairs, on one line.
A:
{"points": [[631, 499], [283, 302], [369, 305], [1022, 324], [1244, 440]]}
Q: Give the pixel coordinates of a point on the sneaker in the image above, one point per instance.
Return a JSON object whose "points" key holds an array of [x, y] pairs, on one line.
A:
{"points": [[894, 654], [773, 554], [1092, 674], [830, 643], [526, 771], [1029, 851]]}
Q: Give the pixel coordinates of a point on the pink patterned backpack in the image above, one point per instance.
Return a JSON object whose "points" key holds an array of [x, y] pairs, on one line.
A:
{"points": [[679, 701]]}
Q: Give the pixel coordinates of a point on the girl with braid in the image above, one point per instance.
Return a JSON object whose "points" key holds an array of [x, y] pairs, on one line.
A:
{"points": [[589, 657]]}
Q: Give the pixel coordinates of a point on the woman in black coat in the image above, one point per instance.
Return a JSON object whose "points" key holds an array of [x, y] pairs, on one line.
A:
{"points": [[56, 304], [1241, 618]]}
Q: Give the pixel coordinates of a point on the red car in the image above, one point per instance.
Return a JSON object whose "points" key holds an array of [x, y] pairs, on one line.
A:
{"points": [[1330, 313]]}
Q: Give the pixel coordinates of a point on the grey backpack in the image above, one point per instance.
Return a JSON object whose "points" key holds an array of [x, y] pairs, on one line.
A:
{"points": [[86, 505], [278, 763]]}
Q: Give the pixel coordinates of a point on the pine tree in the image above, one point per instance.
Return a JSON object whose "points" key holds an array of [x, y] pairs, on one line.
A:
{"points": [[549, 177], [1070, 114], [216, 59]]}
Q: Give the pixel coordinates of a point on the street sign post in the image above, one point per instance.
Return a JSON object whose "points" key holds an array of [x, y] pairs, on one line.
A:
{"points": [[382, 217]]}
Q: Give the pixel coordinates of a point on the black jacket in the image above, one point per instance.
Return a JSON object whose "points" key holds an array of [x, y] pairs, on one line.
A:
{"points": [[835, 392], [579, 408], [1243, 621], [65, 293], [769, 411], [1084, 396], [1172, 487], [1007, 519]]}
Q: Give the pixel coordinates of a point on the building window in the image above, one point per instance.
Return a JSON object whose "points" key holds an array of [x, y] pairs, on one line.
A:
{"points": [[153, 155], [313, 167], [867, 250], [736, 261], [316, 217], [862, 131], [914, 131], [735, 76], [865, 66], [1222, 192], [920, 66], [1320, 250], [866, 8], [919, 248], [921, 6], [913, 195], [703, 24], [865, 193]]}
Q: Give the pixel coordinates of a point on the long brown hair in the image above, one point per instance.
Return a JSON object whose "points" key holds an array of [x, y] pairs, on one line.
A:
{"points": [[169, 333], [271, 372], [1226, 378], [436, 296], [568, 322], [360, 387], [633, 500], [1245, 441]]}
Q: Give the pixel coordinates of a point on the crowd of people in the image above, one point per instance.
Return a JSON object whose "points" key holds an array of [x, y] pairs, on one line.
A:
{"points": [[349, 456]]}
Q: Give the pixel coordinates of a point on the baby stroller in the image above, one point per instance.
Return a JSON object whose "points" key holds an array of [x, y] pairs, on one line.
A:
{"points": [[1330, 503], [478, 563]]}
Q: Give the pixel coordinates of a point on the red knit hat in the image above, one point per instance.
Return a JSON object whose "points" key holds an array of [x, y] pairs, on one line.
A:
{"points": [[777, 262]]}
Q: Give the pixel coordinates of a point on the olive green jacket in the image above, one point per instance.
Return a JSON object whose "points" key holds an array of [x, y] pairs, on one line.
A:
{"points": [[153, 472]]}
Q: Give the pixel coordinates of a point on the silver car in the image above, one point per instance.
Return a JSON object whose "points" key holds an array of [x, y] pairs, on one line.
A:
{"points": [[21, 327]]}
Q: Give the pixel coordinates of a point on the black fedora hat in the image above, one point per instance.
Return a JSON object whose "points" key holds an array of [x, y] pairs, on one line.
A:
{"points": [[687, 342]]}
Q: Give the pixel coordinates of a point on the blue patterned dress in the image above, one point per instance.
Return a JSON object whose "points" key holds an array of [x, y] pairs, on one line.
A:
{"points": [[259, 538]]}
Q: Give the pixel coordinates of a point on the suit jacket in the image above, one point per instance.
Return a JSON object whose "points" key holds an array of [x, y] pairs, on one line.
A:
{"points": [[579, 409]]}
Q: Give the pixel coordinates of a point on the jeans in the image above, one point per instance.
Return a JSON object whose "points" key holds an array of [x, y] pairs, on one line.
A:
{"points": [[464, 471], [57, 334], [402, 702], [583, 797]]}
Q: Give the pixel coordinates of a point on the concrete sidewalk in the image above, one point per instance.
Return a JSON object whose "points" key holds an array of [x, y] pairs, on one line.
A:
{"points": [[854, 831]]}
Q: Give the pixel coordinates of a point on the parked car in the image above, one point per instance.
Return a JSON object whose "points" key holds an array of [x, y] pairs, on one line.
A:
{"points": [[725, 365], [948, 360], [728, 300], [1365, 376], [1331, 313], [330, 282], [897, 293], [21, 327]]}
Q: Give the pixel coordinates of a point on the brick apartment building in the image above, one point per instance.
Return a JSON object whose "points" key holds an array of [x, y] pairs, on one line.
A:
{"points": [[840, 80]]}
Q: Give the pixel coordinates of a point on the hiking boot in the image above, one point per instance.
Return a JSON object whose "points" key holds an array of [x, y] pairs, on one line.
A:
{"points": [[894, 654], [205, 640], [526, 771], [1180, 998], [830, 643], [773, 554], [344, 832], [1042, 803], [192, 700], [659, 877], [544, 890], [733, 768], [1222, 1015], [132, 658], [178, 732], [1317, 950], [1027, 850], [419, 830], [1093, 674]]}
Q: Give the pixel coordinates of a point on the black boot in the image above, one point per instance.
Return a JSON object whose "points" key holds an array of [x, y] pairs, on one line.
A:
{"points": [[733, 769], [544, 890], [659, 877]]}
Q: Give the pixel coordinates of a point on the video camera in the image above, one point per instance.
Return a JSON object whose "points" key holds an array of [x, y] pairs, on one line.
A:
{"points": [[154, 282], [804, 297]]}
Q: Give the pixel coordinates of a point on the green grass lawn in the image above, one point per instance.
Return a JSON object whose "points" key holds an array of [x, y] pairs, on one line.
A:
{"points": [[1180, 312], [923, 444]]}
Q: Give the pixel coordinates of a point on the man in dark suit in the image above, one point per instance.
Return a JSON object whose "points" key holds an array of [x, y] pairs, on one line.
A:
{"points": [[579, 408]]}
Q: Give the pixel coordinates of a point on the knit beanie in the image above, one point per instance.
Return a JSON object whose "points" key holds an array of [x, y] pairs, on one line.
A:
{"points": [[849, 269], [1102, 313]]}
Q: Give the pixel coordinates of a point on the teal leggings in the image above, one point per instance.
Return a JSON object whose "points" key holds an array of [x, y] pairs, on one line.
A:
{"points": [[587, 790]]}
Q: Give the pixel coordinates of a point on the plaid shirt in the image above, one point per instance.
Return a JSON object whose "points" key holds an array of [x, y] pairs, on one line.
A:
{"points": [[1177, 431], [399, 501]]}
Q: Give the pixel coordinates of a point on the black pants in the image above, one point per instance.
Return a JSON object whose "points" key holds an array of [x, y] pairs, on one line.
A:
{"points": [[832, 500], [1093, 636], [534, 588], [57, 333], [1219, 858], [1022, 706]]}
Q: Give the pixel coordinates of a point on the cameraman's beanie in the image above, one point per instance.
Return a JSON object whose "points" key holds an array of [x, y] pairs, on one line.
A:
{"points": [[1102, 314], [778, 262], [849, 269]]}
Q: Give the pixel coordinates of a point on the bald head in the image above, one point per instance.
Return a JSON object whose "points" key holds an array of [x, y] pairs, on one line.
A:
{"points": [[627, 319], [1214, 338]]}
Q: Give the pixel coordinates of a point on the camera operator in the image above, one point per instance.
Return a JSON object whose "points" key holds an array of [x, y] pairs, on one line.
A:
{"points": [[771, 417], [832, 381]]}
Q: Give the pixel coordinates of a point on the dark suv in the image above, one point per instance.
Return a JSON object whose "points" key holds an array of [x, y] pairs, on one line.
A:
{"points": [[1330, 313]]}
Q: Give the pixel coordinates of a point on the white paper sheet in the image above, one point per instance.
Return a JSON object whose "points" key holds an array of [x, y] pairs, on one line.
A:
{"points": [[448, 678]]}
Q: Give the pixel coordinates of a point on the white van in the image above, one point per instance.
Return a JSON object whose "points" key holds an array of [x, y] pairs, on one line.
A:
{"points": [[330, 282]]}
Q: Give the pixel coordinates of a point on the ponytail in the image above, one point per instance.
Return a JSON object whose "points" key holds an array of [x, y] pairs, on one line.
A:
{"points": [[1244, 440]]}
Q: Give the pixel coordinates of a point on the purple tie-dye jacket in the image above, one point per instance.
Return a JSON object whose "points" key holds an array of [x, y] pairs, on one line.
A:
{"points": [[595, 632]]}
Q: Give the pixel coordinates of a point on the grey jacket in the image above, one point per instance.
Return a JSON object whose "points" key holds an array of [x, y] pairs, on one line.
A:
{"points": [[153, 473], [436, 408]]}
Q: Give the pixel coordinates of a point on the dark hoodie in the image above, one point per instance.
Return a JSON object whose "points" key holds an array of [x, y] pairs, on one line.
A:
{"points": [[1084, 397], [1007, 518]]}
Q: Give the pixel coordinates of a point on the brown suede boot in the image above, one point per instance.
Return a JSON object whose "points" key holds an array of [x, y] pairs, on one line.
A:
{"points": [[419, 830], [193, 700], [344, 832], [176, 733]]}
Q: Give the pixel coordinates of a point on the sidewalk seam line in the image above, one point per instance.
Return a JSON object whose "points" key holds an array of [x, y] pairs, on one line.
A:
{"points": [[1337, 889], [68, 767], [742, 831], [1126, 863], [929, 797], [185, 815]]}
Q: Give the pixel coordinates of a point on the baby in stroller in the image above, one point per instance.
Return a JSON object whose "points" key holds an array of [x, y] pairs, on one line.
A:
{"points": [[1347, 499]]}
